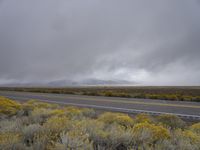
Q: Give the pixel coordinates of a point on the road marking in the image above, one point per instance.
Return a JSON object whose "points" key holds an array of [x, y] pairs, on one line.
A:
{"points": [[118, 109], [116, 101], [133, 102]]}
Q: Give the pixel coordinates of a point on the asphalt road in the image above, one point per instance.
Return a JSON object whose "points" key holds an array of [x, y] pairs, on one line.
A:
{"points": [[190, 110]]}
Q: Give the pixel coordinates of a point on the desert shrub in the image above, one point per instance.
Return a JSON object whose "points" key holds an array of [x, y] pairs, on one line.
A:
{"points": [[187, 98], [191, 136], [152, 96], [107, 136], [97, 133], [55, 126], [184, 140], [118, 136], [118, 118], [140, 95], [39, 115], [75, 139], [146, 133], [89, 93], [196, 128], [140, 118], [87, 112], [73, 112], [165, 145], [30, 132], [8, 107], [17, 146], [162, 96], [8, 140], [32, 104], [181, 144], [115, 94], [26, 109], [10, 125], [57, 112], [25, 121], [196, 99], [171, 121], [124, 120], [171, 97], [108, 93], [40, 141], [123, 95], [78, 135]]}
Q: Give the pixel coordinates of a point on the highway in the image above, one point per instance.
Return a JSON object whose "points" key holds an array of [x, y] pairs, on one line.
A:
{"points": [[187, 110]]}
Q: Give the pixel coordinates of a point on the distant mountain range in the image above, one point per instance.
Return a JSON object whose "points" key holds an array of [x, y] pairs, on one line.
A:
{"points": [[62, 83]]}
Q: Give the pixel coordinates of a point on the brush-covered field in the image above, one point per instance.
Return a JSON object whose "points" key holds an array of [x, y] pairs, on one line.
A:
{"points": [[178, 93], [35, 125]]}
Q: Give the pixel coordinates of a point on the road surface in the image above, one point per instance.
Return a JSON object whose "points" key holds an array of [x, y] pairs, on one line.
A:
{"points": [[190, 110]]}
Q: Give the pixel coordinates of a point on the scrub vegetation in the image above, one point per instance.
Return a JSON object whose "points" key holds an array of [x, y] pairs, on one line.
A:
{"points": [[34, 125], [176, 93]]}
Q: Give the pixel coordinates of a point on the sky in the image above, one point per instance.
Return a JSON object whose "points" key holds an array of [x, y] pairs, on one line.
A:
{"points": [[144, 42]]}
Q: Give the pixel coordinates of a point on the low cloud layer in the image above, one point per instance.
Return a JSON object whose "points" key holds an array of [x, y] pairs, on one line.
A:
{"points": [[146, 42]]}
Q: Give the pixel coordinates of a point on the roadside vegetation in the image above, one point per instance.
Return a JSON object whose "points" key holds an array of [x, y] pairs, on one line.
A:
{"points": [[180, 93], [35, 125]]}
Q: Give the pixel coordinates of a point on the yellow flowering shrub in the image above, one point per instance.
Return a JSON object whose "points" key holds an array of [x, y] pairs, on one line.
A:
{"points": [[191, 136], [140, 118], [55, 125], [196, 128], [58, 112], [150, 132], [9, 138], [38, 104], [8, 107], [47, 112], [118, 118], [186, 139], [30, 105], [73, 112], [39, 115]]}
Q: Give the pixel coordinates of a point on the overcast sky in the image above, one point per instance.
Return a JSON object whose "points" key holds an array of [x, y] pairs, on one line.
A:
{"points": [[153, 42]]}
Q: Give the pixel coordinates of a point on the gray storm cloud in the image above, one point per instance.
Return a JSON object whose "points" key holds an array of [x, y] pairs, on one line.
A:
{"points": [[148, 42]]}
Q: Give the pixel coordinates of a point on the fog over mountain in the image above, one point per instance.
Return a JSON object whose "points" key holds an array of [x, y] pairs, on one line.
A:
{"points": [[136, 42]]}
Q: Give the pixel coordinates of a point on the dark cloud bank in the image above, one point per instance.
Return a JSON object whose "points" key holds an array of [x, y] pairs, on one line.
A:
{"points": [[145, 42]]}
